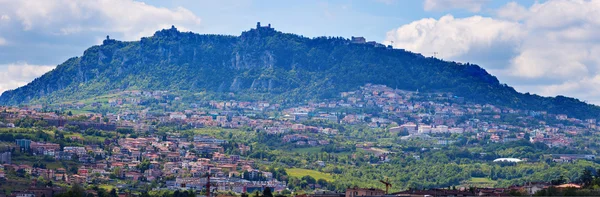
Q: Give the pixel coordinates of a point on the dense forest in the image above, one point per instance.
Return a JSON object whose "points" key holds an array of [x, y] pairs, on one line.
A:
{"points": [[263, 63]]}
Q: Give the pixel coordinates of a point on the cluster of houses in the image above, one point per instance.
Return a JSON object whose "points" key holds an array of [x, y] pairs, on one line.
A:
{"points": [[82, 154], [302, 140], [189, 161], [408, 112], [430, 113]]}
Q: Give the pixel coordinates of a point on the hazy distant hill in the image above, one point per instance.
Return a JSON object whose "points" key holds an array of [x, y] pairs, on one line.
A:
{"points": [[286, 66]]}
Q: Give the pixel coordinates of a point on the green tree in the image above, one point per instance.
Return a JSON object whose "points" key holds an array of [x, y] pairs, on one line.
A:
{"points": [[113, 193], [586, 177]]}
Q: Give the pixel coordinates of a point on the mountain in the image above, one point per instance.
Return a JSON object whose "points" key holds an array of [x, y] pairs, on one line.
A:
{"points": [[263, 61]]}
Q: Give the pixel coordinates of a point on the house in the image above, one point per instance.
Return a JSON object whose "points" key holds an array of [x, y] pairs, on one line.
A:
{"points": [[298, 127], [353, 192], [253, 174], [44, 148], [177, 116], [79, 151], [321, 163], [410, 127], [424, 129], [228, 167], [396, 129], [133, 175], [533, 188], [208, 140]]}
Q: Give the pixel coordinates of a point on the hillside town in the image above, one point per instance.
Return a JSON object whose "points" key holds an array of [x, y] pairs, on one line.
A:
{"points": [[175, 161], [418, 115]]}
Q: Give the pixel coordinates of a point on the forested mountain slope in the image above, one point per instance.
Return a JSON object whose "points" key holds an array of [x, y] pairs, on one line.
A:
{"points": [[286, 66]]}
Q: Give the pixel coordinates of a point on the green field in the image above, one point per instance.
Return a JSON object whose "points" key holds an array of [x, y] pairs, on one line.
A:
{"points": [[99, 99], [79, 112], [480, 182], [299, 173], [106, 187], [219, 133], [307, 150], [54, 165]]}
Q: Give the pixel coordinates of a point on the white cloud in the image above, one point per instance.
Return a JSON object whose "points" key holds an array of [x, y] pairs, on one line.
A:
{"points": [[512, 11], [563, 13], [18, 74], [4, 18], [550, 48], [130, 18], [470, 5], [387, 2], [451, 37]]}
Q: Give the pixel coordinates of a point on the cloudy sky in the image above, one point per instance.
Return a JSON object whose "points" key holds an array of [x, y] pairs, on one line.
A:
{"points": [[543, 47]]}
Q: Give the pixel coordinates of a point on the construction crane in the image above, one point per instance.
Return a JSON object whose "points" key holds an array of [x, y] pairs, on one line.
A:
{"points": [[209, 184], [387, 185]]}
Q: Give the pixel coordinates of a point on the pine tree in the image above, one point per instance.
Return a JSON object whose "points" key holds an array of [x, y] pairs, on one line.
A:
{"points": [[586, 177], [267, 192]]}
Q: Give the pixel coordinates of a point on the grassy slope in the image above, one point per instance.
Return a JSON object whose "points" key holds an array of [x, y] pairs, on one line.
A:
{"points": [[298, 172]]}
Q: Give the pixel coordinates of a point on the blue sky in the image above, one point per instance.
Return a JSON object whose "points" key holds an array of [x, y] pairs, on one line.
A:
{"points": [[544, 47], [369, 18]]}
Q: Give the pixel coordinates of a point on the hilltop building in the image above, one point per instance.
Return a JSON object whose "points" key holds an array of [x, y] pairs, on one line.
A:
{"points": [[264, 27], [362, 40], [108, 40], [359, 40]]}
